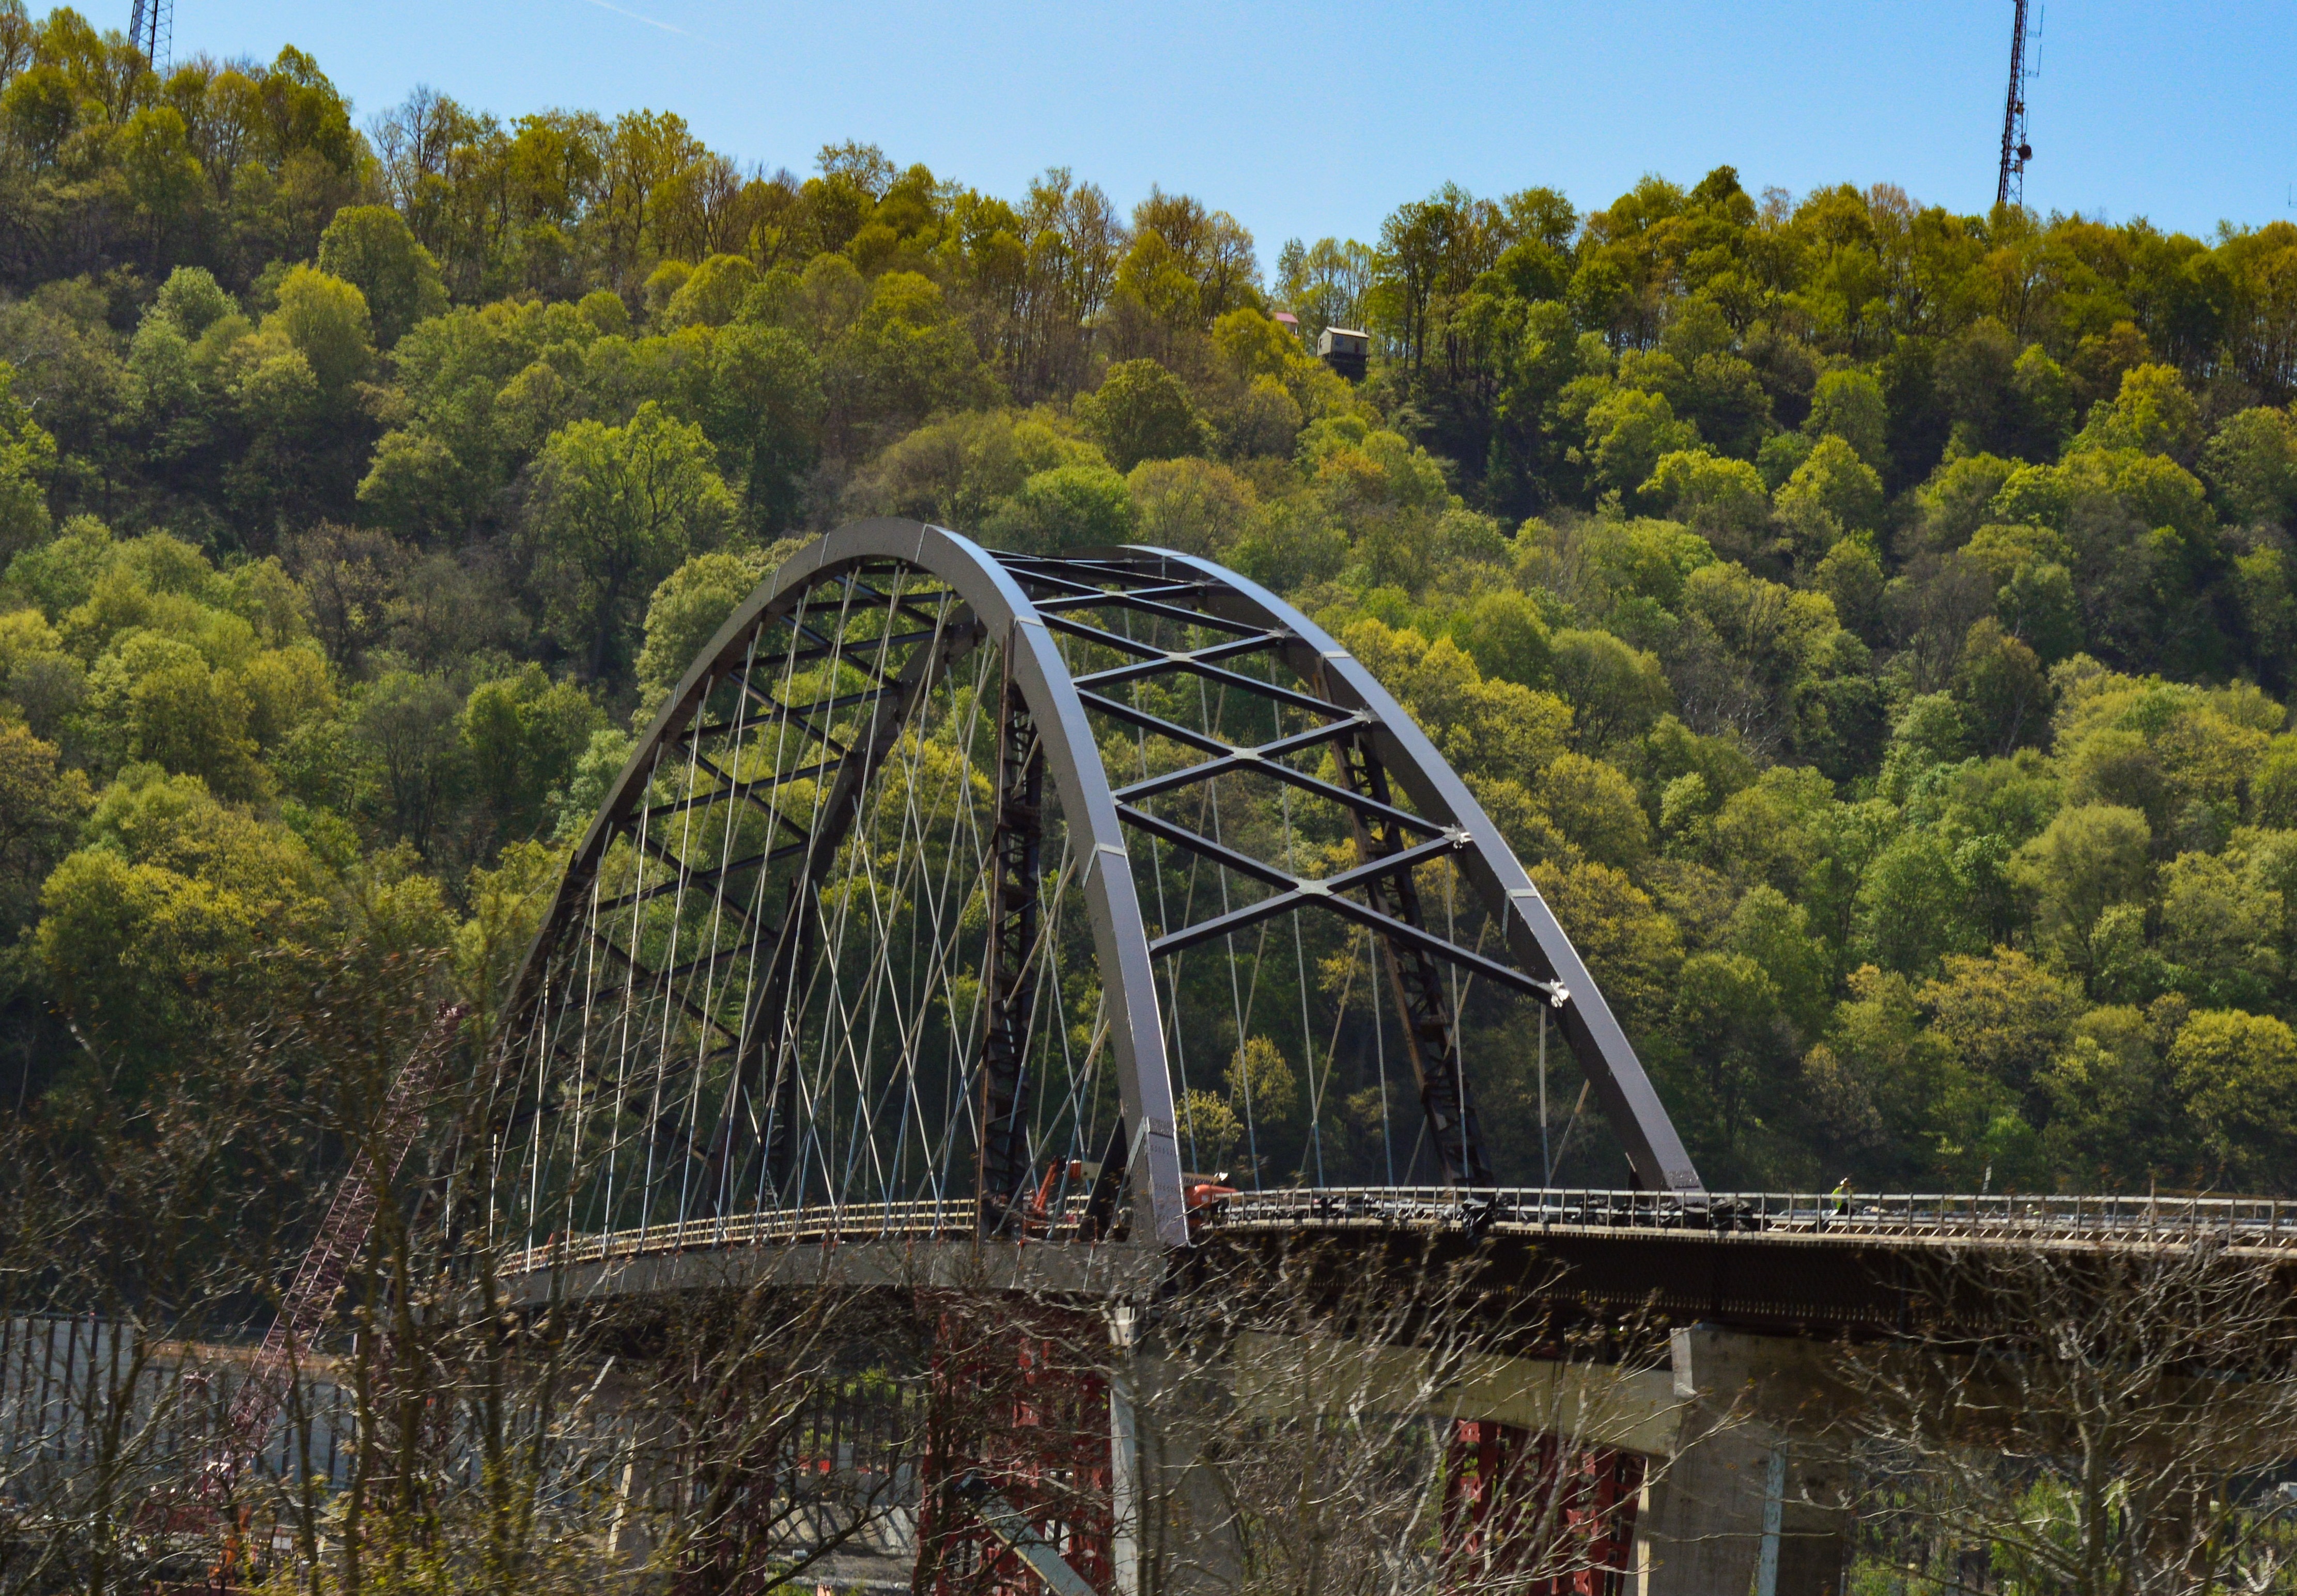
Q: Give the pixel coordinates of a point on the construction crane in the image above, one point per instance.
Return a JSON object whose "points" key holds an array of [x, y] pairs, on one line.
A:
{"points": [[152, 29], [2010, 189], [304, 1311]]}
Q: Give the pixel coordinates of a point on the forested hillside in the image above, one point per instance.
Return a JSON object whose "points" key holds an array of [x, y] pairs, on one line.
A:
{"points": [[1873, 623]]}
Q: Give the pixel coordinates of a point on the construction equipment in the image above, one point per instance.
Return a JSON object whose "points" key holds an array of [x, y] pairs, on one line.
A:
{"points": [[350, 1216]]}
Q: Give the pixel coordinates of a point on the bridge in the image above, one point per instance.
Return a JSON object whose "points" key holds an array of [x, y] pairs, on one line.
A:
{"points": [[952, 909], [1063, 930]]}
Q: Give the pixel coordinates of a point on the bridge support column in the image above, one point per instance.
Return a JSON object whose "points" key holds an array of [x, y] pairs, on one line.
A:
{"points": [[1019, 1458], [1522, 1506], [1750, 1503]]}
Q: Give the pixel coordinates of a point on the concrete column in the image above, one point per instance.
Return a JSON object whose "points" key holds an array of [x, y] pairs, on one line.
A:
{"points": [[1750, 1503], [1702, 1533]]}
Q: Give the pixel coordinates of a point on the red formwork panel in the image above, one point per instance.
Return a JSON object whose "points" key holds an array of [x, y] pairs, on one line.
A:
{"points": [[1021, 1400], [1544, 1519]]}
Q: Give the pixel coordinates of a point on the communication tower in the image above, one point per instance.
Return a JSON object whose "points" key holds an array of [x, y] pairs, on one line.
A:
{"points": [[152, 29], [2010, 189]]}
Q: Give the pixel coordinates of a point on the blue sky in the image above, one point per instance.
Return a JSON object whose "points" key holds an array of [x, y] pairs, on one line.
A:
{"points": [[1308, 119]]}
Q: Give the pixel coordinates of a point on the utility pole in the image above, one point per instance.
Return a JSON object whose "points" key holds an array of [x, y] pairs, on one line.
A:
{"points": [[152, 29], [2011, 188]]}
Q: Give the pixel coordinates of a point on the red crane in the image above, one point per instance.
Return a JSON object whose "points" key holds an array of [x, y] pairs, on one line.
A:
{"points": [[350, 1216]]}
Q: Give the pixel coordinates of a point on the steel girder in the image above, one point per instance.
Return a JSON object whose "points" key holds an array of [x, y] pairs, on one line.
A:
{"points": [[1046, 727]]}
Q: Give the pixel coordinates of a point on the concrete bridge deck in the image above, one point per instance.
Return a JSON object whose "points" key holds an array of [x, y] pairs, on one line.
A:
{"points": [[1797, 1263]]}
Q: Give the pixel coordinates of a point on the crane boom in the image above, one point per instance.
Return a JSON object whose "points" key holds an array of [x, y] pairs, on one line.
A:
{"points": [[303, 1310]]}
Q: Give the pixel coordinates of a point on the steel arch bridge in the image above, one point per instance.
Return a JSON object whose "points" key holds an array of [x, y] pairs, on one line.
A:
{"points": [[885, 929]]}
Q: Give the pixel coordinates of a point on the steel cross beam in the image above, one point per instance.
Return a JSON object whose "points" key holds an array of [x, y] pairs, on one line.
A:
{"points": [[1406, 759]]}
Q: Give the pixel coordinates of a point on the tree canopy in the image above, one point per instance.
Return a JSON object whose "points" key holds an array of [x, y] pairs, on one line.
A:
{"points": [[1873, 624]]}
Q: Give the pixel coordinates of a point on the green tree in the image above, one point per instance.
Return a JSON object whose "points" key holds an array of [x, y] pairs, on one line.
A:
{"points": [[1628, 433], [372, 248], [1504, 633], [1848, 404], [2250, 465], [2238, 1074], [1194, 506], [763, 408], [28, 456], [1615, 690], [326, 320], [1595, 808], [686, 612], [2090, 858], [1831, 493], [42, 801], [2152, 413], [2003, 691], [1140, 412], [615, 510], [522, 736], [1085, 505]]}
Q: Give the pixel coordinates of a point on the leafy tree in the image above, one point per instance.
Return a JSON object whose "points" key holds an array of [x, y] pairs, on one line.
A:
{"points": [[1507, 637], [1723, 500], [616, 509], [522, 736], [147, 931], [2250, 465], [1831, 493], [1849, 404], [686, 610], [1616, 691], [325, 319], [1628, 433], [372, 248], [2152, 413], [1595, 809], [1140, 412], [1193, 506], [41, 803], [764, 404], [2091, 858], [1085, 505], [2238, 1074], [1735, 1044], [28, 456]]}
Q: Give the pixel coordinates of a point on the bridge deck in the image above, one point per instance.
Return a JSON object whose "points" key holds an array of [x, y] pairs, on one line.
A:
{"points": [[1795, 1260]]}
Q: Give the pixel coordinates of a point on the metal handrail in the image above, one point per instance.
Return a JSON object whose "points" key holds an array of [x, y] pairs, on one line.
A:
{"points": [[2250, 1221]]}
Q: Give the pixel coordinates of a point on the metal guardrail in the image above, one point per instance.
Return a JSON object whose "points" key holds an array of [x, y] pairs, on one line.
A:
{"points": [[2249, 1221], [957, 1219]]}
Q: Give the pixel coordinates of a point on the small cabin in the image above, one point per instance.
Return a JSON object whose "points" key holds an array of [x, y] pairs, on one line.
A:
{"points": [[1344, 349]]}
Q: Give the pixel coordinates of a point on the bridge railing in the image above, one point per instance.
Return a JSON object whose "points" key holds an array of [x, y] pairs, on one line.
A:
{"points": [[2250, 1222], [946, 1218]]}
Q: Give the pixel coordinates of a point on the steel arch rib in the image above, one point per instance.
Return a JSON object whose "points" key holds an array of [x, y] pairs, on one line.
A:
{"points": [[1629, 1101], [1120, 935]]}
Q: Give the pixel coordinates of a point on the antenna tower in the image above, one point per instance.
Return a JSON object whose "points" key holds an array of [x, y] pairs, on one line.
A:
{"points": [[2010, 189], [152, 29]]}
